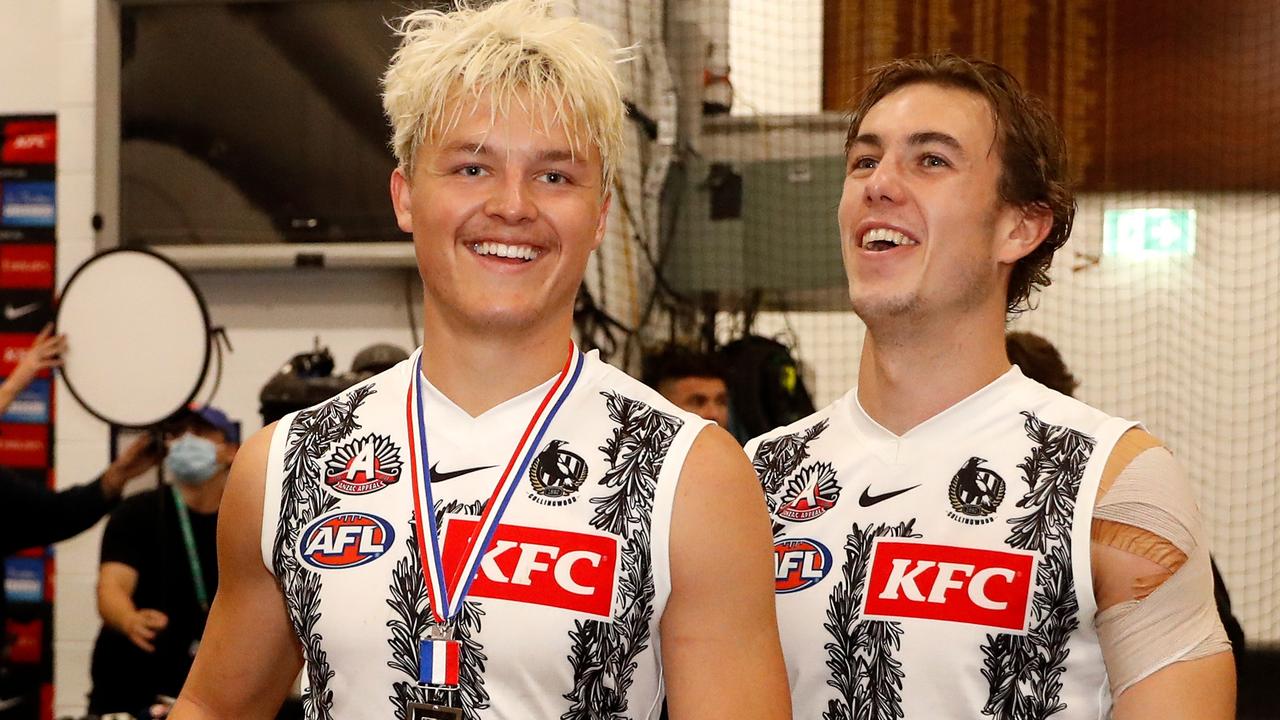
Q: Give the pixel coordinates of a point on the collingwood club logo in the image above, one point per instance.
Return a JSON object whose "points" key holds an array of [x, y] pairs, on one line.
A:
{"points": [[363, 466], [976, 493], [556, 474]]}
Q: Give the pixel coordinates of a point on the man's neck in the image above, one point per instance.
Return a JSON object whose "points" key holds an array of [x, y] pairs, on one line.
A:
{"points": [[918, 370], [205, 497], [480, 370]]}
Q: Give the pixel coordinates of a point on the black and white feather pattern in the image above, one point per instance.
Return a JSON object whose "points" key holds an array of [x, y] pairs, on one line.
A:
{"points": [[1024, 672], [311, 435], [604, 655], [861, 653]]}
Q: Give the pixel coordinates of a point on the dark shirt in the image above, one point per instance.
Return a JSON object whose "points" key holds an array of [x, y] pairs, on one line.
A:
{"points": [[144, 534], [34, 516]]}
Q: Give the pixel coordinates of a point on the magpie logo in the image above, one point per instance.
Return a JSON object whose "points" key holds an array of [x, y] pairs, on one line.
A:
{"points": [[975, 493], [556, 474]]}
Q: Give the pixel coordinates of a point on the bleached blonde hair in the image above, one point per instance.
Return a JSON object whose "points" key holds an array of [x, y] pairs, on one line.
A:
{"points": [[510, 47]]}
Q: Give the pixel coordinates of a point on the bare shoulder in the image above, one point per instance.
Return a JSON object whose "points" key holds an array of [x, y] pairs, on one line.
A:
{"points": [[240, 515], [717, 467], [718, 495]]}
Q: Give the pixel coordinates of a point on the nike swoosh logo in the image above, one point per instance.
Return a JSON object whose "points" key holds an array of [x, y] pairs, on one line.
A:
{"points": [[867, 499], [437, 476], [12, 312]]}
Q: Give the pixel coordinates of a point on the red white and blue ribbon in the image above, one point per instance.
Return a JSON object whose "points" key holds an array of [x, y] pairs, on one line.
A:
{"points": [[447, 597]]}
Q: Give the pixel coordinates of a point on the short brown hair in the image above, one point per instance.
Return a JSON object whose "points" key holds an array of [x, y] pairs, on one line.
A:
{"points": [[1033, 153]]}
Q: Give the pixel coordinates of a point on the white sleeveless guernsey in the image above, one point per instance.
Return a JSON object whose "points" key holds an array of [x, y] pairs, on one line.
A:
{"points": [[562, 618], [943, 573]]}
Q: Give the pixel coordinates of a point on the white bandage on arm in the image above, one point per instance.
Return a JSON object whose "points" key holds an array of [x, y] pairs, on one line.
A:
{"points": [[1150, 511]]}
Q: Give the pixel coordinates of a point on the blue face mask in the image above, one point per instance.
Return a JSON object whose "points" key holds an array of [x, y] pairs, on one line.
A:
{"points": [[192, 460]]}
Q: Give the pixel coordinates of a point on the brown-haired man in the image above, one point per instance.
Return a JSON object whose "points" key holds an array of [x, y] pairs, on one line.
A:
{"points": [[953, 540]]}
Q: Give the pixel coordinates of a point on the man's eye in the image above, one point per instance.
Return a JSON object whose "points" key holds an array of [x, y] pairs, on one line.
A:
{"points": [[555, 178], [471, 171], [865, 163], [935, 161]]}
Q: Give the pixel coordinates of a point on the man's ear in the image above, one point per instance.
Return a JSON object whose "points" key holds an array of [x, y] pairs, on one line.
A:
{"points": [[1031, 225], [402, 200], [603, 222]]}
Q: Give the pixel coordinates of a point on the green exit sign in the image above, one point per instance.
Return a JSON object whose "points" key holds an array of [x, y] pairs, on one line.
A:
{"points": [[1149, 232]]}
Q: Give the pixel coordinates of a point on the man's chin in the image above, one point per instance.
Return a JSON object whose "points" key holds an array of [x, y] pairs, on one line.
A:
{"points": [[873, 307]]}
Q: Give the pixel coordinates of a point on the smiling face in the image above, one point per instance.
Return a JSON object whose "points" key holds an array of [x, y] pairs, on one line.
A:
{"points": [[505, 211], [923, 230]]}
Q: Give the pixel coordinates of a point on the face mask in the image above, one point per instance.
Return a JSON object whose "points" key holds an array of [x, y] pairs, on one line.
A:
{"points": [[192, 459]]}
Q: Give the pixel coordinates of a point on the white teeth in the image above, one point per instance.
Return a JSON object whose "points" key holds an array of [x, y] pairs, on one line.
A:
{"points": [[522, 252], [886, 235]]}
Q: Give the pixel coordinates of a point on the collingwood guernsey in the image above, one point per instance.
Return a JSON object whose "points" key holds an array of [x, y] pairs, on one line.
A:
{"points": [[561, 617], [943, 573]]}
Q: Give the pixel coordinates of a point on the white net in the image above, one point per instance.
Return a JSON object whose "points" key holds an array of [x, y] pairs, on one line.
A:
{"points": [[1185, 339]]}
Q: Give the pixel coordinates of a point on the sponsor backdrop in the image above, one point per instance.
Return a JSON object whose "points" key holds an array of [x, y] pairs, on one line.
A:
{"points": [[27, 212]]}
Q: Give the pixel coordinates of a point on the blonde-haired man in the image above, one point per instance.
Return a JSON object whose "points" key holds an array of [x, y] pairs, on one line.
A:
{"points": [[500, 526]]}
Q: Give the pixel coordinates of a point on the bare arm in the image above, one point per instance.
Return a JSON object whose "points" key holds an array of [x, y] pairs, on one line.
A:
{"points": [[1202, 689], [45, 352], [720, 642], [116, 583], [248, 656]]}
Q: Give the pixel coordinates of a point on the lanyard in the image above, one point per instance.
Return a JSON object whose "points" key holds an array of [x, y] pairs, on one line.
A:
{"points": [[189, 540], [444, 604]]}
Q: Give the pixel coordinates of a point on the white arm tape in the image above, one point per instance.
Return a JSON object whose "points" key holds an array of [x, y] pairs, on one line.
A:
{"points": [[1179, 620]]}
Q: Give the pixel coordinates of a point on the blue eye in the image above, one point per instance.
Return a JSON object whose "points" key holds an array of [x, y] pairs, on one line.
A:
{"points": [[471, 171]]}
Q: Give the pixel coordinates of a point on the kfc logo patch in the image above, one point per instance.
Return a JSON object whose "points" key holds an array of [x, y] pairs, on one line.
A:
{"points": [[345, 540], [909, 579], [799, 563], [363, 466], [538, 566]]}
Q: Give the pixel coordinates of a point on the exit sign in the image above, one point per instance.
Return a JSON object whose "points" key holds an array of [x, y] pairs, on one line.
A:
{"points": [[1149, 232]]}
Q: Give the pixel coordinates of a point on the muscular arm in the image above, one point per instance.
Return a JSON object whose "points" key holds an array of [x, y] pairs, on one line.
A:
{"points": [[248, 656], [720, 642], [1153, 588]]}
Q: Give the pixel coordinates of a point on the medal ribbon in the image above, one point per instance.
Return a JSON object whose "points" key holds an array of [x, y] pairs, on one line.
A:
{"points": [[445, 605]]}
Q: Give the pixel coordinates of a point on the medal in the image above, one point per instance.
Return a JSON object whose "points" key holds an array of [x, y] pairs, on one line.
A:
{"points": [[439, 654], [420, 711]]}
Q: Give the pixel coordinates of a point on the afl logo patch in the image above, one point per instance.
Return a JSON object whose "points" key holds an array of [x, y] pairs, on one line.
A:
{"points": [[556, 474], [975, 493], [345, 540], [811, 493], [799, 563], [363, 466]]}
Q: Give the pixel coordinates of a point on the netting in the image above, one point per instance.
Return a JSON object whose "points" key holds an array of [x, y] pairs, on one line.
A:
{"points": [[1182, 335], [723, 216]]}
